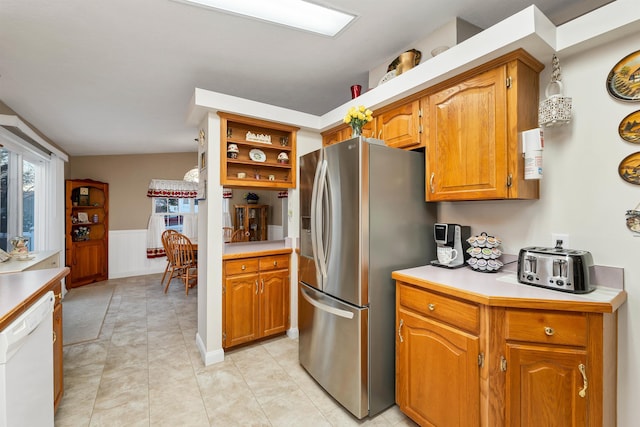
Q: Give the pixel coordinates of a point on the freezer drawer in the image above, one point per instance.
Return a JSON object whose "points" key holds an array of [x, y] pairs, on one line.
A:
{"points": [[333, 347]]}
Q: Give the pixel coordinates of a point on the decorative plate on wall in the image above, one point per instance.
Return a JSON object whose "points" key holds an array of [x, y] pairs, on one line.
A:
{"points": [[629, 128], [629, 168], [623, 81]]}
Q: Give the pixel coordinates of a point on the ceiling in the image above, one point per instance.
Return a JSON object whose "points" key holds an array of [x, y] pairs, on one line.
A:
{"points": [[117, 76]]}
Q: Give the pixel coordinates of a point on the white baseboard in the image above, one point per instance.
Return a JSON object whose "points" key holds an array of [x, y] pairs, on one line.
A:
{"points": [[293, 333], [209, 358]]}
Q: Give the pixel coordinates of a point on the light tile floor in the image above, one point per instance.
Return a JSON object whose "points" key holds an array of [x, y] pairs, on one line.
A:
{"points": [[145, 370]]}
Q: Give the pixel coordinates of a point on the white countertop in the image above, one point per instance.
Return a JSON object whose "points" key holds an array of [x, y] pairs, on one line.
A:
{"points": [[503, 289], [15, 266]]}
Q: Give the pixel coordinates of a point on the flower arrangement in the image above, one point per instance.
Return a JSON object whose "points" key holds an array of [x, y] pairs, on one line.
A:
{"points": [[81, 233], [251, 198], [357, 117]]}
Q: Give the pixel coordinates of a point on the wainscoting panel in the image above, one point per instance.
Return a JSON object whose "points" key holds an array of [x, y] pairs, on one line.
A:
{"points": [[128, 255]]}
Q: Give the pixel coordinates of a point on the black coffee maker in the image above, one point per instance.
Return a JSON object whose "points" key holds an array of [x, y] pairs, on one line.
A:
{"points": [[452, 245]]}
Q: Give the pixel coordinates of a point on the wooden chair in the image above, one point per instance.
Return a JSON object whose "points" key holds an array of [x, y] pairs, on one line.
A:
{"points": [[167, 252], [227, 234], [184, 262], [231, 236]]}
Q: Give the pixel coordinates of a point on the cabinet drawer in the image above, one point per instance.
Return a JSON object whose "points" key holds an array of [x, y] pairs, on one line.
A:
{"points": [[277, 262], [547, 327], [240, 266], [436, 306]]}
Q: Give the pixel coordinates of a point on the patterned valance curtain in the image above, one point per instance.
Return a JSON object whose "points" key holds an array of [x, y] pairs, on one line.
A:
{"points": [[172, 188]]}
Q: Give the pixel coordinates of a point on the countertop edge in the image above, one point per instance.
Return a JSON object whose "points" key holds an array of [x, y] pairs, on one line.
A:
{"points": [[34, 293], [267, 252], [545, 299]]}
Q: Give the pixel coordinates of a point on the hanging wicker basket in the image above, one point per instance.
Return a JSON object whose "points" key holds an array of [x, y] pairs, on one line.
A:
{"points": [[555, 110]]}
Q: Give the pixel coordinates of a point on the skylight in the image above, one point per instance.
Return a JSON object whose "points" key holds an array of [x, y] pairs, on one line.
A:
{"points": [[292, 13]]}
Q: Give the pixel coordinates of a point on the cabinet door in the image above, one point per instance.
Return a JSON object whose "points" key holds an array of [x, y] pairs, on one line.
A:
{"points": [[241, 298], [437, 372], [257, 222], [543, 387], [335, 136], [343, 133], [401, 127], [467, 149], [274, 302], [88, 263], [58, 386]]}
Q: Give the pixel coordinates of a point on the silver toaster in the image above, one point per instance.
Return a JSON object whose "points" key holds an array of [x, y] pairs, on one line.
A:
{"points": [[556, 268]]}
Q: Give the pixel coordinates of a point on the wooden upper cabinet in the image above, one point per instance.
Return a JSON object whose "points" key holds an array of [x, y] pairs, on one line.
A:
{"points": [[401, 127], [335, 135], [473, 150], [257, 164], [343, 132]]}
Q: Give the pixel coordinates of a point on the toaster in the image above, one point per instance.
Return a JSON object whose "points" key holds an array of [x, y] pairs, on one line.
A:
{"points": [[556, 268]]}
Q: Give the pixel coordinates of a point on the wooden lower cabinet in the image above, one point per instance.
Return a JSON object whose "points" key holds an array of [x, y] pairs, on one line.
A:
{"points": [[58, 384], [541, 386], [518, 367], [88, 263], [255, 298], [438, 376]]}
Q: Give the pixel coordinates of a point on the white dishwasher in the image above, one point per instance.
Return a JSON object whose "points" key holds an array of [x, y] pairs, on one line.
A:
{"points": [[26, 367]]}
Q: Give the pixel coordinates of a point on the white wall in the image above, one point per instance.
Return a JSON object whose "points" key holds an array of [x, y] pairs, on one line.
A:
{"points": [[582, 195]]}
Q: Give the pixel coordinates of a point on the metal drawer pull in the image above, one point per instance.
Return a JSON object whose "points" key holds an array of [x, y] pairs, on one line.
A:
{"points": [[549, 331], [432, 307], [433, 175], [275, 263], [400, 330], [243, 267], [583, 392], [256, 287], [55, 337]]}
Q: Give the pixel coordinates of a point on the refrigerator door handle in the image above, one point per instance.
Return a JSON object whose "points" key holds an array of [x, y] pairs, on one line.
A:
{"points": [[324, 307], [318, 219], [314, 198]]}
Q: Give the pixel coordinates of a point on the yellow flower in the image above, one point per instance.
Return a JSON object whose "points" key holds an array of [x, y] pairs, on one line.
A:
{"points": [[357, 117]]}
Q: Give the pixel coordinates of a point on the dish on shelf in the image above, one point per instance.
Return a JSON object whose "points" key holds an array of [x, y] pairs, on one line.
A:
{"points": [[257, 155], [25, 258], [391, 74]]}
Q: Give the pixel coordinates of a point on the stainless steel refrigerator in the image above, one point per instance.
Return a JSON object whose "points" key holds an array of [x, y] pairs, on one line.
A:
{"points": [[363, 215]]}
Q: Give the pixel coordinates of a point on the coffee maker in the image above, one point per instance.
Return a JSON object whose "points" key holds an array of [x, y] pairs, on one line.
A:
{"points": [[452, 236]]}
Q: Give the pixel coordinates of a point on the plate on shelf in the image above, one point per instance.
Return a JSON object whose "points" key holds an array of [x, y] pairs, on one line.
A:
{"points": [[257, 155], [391, 74]]}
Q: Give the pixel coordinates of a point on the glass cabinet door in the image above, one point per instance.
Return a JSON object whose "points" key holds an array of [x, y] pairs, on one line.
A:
{"points": [[253, 220]]}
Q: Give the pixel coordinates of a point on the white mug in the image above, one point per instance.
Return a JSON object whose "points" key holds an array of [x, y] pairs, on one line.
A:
{"points": [[446, 254]]}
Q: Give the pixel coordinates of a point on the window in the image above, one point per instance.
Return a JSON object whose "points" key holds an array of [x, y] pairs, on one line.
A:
{"points": [[174, 210], [20, 197]]}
